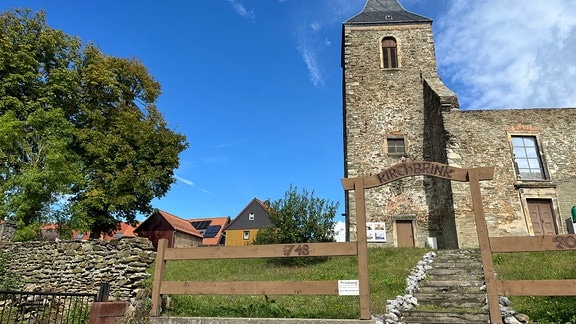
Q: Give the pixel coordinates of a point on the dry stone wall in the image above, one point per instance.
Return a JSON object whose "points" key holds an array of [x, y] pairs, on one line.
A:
{"points": [[7, 230], [82, 266]]}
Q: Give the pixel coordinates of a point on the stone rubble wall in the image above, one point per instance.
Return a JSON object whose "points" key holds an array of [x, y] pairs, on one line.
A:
{"points": [[7, 230], [480, 138], [384, 103], [82, 266]]}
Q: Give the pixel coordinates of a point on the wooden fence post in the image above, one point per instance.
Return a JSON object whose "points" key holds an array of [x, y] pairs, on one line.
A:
{"points": [[485, 249], [158, 277], [363, 277]]}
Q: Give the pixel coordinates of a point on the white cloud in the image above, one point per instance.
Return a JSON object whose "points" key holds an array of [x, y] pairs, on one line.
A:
{"points": [[315, 26], [241, 10], [340, 229], [313, 22], [503, 53], [184, 180], [310, 57]]}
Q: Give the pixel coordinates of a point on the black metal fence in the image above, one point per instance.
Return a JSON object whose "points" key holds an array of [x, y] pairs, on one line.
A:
{"points": [[45, 307]]}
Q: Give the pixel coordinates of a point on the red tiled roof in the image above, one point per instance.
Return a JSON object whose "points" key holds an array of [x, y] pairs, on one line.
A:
{"points": [[180, 224], [50, 232], [214, 221]]}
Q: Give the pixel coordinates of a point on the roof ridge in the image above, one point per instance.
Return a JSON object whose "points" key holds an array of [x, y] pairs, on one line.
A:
{"points": [[386, 12]]}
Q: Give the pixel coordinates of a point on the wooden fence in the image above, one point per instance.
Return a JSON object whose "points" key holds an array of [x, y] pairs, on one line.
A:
{"points": [[495, 287], [326, 287], [358, 248], [488, 245]]}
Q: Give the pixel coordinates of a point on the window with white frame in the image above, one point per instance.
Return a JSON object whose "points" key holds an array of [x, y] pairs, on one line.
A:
{"points": [[527, 158], [251, 216], [246, 235]]}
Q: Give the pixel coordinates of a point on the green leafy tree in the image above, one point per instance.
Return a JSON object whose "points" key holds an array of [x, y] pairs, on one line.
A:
{"points": [[299, 217], [80, 133]]}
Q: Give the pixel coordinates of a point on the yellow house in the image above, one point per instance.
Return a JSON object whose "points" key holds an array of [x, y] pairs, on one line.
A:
{"points": [[244, 228]]}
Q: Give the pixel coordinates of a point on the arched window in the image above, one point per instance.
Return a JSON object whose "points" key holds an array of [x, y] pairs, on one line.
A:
{"points": [[389, 53]]}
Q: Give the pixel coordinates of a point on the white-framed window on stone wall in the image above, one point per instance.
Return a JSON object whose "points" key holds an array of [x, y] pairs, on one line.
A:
{"points": [[389, 53], [395, 146], [527, 158]]}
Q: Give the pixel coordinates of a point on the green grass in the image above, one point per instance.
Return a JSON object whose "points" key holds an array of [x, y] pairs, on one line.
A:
{"points": [[388, 268], [540, 266]]}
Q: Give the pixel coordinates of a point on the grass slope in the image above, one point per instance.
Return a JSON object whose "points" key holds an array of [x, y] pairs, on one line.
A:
{"points": [[540, 266], [388, 269]]}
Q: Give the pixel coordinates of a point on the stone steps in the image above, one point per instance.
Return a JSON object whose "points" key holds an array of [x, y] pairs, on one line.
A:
{"points": [[465, 300], [452, 291], [431, 317]]}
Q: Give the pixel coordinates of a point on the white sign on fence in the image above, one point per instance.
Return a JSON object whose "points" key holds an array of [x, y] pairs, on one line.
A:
{"points": [[348, 287]]}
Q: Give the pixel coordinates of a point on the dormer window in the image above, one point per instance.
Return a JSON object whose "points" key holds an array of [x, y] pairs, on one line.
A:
{"points": [[389, 53]]}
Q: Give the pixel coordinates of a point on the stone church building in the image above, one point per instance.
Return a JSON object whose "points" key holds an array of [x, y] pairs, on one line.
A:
{"points": [[396, 109]]}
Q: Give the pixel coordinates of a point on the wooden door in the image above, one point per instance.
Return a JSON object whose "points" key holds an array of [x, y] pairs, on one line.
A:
{"points": [[542, 216], [404, 233]]}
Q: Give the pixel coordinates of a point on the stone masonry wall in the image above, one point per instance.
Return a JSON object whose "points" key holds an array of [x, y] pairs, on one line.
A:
{"points": [[481, 138], [82, 266], [7, 230], [186, 240], [379, 103], [438, 98]]}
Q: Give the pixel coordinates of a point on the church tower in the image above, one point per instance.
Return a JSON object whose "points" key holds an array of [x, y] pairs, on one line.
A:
{"points": [[388, 62]]}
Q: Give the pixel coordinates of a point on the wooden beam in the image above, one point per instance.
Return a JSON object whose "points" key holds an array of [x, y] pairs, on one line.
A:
{"points": [[533, 243], [158, 277], [329, 287], [263, 251], [416, 168], [363, 277], [537, 287], [485, 250]]}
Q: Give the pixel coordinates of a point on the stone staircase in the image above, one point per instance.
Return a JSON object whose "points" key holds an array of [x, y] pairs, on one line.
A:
{"points": [[452, 291]]}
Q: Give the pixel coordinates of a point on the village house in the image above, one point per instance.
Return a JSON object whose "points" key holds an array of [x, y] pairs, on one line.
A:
{"points": [[182, 233], [244, 228], [212, 229], [163, 225], [396, 110]]}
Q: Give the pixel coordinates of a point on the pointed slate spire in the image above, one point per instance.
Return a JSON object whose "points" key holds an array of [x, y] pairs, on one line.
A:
{"points": [[385, 12]]}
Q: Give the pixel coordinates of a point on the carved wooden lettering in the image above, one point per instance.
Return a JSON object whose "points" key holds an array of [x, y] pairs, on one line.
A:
{"points": [[565, 242], [413, 169], [299, 250]]}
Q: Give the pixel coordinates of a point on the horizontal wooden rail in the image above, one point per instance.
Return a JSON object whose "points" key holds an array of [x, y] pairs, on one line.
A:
{"points": [[536, 287], [533, 243], [250, 287], [510, 244], [263, 251], [325, 287]]}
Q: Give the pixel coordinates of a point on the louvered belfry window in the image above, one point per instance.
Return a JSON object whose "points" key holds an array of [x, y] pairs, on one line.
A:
{"points": [[389, 53]]}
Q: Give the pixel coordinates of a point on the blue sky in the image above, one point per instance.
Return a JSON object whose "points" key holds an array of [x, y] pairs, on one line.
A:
{"points": [[255, 85]]}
